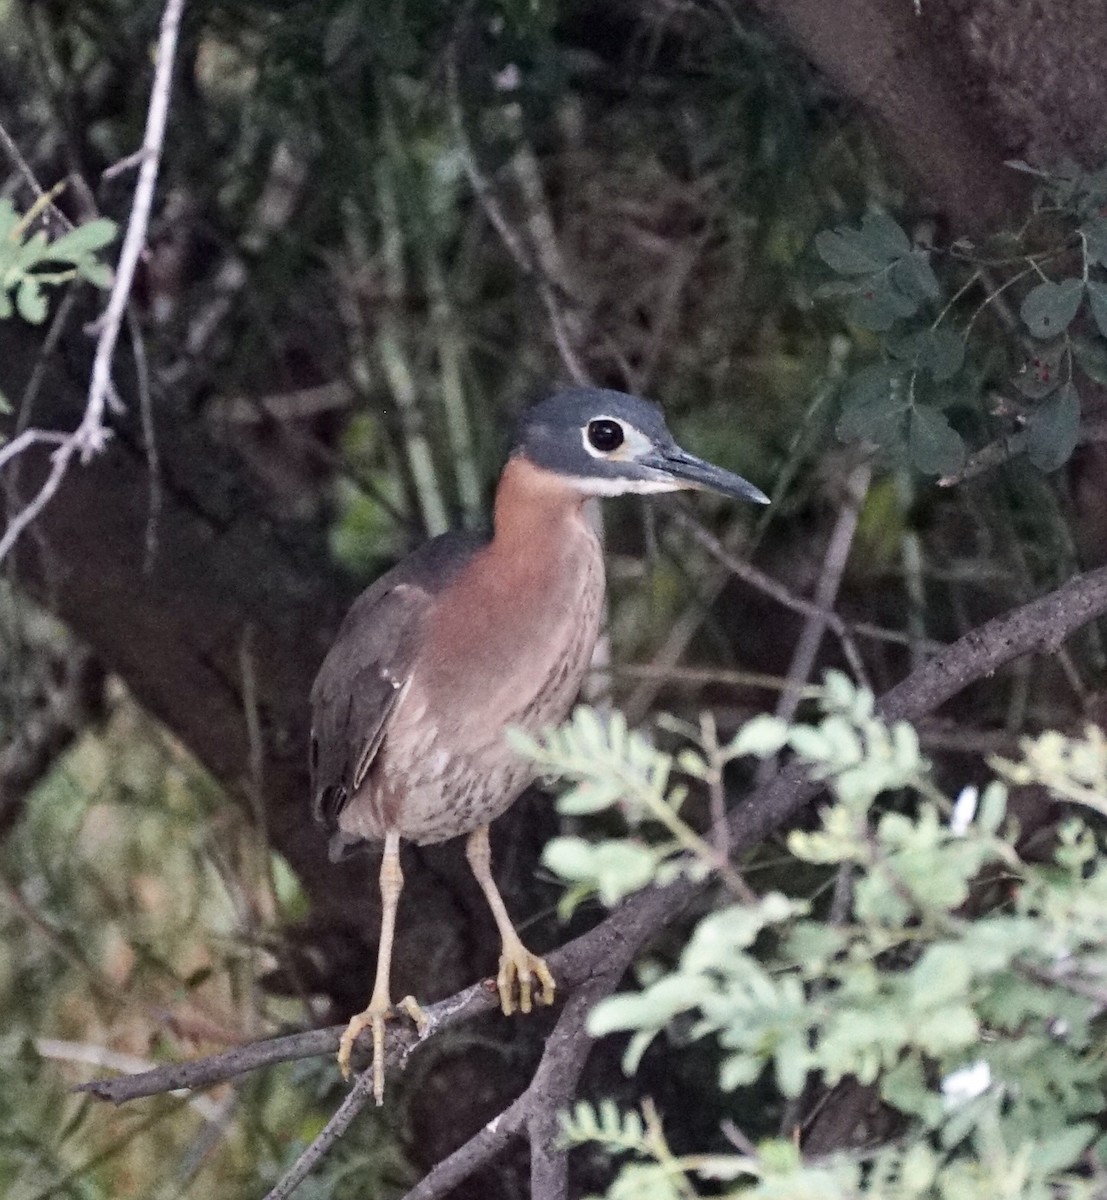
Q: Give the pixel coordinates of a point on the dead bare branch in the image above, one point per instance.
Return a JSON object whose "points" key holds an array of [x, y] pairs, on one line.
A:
{"points": [[92, 435]]}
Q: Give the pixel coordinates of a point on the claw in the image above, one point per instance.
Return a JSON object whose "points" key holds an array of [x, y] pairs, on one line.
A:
{"points": [[517, 966], [374, 1017]]}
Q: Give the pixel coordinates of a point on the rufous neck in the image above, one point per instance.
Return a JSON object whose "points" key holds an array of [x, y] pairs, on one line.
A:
{"points": [[532, 502]]}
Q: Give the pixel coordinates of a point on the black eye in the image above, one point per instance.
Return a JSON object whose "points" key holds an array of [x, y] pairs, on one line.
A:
{"points": [[605, 435]]}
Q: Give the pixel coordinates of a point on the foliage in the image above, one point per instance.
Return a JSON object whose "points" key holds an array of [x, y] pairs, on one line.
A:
{"points": [[922, 398], [30, 262], [315, 222], [138, 914], [962, 982]]}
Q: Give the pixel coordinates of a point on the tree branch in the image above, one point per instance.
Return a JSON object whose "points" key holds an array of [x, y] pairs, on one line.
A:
{"points": [[879, 53]]}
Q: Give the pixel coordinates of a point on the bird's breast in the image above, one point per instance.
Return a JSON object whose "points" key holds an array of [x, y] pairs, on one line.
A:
{"points": [[510, 647], [514, 640]]}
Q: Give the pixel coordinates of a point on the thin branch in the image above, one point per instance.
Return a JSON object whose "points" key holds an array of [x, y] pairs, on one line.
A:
{"points": [[59, 464], [740, 569], [29, 438], [536, 264], [356, 1099], [87, 1054], [202, 1072], [149, 439], [826, 594], [90, 435], [24, 168], [536, 1111]]}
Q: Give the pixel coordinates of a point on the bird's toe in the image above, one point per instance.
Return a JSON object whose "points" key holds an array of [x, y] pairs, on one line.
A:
{"points": [[519, 970]]}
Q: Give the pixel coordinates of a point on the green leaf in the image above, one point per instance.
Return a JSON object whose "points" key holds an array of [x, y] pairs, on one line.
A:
{"points": [[880, 305], [1097, 294], [1063, 1149], [9, 218], [1091, 355], [1052, 429], [993, 807], [569, 857], [884, 236], [935, 447], [762, 736], [942, 353], [792, 1062], [915, 277], [942, 975], [650, 1009], [30, 301], [97, 273], [873, 404], [83, 240], [843, 251], [1050, 307]]}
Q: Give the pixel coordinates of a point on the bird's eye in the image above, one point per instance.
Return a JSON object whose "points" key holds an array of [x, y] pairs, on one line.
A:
{"points": [[605, 435]]}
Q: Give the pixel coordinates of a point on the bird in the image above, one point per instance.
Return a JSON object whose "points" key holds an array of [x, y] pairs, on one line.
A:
{"points": [[471, 635]]}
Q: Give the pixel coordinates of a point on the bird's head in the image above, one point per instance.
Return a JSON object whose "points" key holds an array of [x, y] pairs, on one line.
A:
{"points": [[606, 443]]}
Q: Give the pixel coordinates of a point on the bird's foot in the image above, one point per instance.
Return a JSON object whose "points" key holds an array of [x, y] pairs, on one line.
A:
{"points": [[374, 1017], [517, 967]]}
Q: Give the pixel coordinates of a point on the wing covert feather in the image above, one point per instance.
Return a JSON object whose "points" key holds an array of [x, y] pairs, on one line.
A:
{"points": [[366, 669]]}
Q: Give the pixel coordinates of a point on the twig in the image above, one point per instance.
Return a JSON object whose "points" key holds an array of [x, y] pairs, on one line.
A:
{"points": [[149, 438], [59, 464], [846, 631], [826, 593], [90, 434], [356, 1099], [1042, 624], [536, 264], [88, 1054], [698, 676], [28, 438], [536, 1111], [215, 1068], [29, 178]]}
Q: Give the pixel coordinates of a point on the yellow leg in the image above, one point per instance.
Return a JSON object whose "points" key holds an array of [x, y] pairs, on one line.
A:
{"points": [[517, 964], [380, 1004]]}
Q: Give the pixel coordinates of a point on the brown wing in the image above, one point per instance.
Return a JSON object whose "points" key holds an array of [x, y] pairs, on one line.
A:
{"points": [[366, 669]]}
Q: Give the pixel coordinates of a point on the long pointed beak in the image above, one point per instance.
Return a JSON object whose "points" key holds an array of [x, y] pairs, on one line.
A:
{"points": [[696, 473]]}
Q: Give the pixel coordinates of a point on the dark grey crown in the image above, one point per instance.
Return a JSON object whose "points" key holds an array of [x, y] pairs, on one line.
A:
{"points": [[550, 433]]}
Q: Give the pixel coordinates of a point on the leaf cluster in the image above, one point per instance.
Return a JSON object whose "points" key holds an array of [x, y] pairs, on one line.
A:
{"points": [[911, 302], [31, 262], [980, 1030]]}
